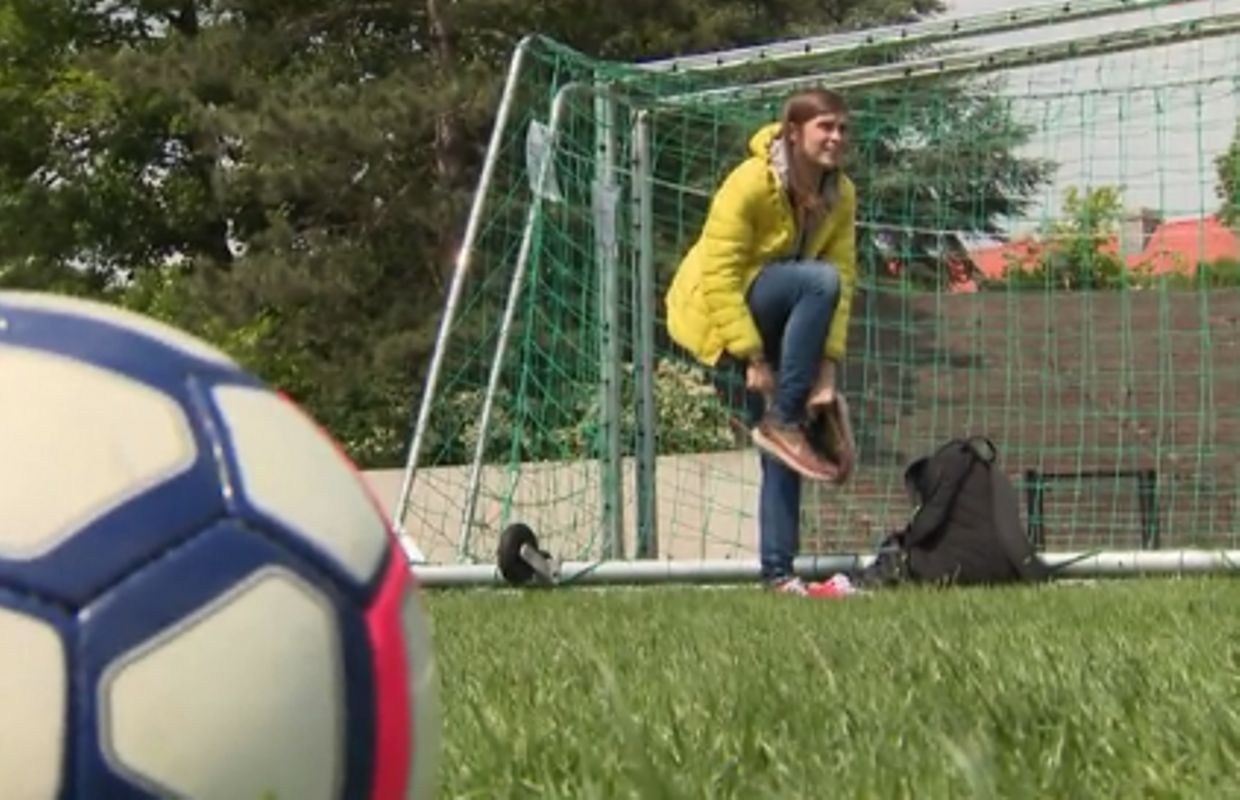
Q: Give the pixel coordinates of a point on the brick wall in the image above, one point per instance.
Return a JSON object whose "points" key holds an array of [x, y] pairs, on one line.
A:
{"points": [[1069, 382]]}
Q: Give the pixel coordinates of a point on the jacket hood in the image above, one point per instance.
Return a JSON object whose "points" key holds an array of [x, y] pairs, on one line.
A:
{"points": [[763, 144], [760, 142]]}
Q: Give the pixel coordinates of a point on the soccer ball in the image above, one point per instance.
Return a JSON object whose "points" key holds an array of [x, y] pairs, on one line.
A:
{"points": [[198, 595]]}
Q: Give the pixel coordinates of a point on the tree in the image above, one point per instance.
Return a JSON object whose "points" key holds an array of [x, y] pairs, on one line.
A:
{"points": [[290, 179], [1076, 250], [254, 172], [938, 163], [1228, 186], [58, 206]]}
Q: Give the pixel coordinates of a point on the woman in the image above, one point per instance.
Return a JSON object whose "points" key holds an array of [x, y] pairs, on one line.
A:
{"points": [[768, 285]]}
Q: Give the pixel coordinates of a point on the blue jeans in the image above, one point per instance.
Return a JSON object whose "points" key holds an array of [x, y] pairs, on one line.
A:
{"points": [[792, 303]]}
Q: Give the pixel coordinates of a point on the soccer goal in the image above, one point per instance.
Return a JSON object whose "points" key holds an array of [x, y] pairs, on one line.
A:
{"points": [[1044, 257]]}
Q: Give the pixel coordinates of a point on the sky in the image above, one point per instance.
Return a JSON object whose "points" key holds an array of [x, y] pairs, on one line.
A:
{"points": [[1150, 120]]}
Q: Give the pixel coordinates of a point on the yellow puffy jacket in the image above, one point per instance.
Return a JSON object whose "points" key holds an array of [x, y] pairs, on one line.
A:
{"points": [[751, 223]]}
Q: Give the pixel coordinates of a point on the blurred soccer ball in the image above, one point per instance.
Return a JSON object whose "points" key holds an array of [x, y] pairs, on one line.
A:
{"points": [[198, 595]]}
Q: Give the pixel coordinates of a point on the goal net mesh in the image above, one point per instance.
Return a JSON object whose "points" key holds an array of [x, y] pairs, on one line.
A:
{"points": [[1041, 260]]}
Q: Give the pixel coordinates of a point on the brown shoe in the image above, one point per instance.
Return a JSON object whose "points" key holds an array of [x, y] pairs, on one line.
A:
{"points": [[788, 444]]}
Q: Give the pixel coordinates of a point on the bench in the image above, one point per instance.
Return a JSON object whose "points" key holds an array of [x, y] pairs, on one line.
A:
{"points": [[1037, 482]]}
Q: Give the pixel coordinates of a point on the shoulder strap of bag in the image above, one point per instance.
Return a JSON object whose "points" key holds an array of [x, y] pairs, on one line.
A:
{"points": [[957, 459]]}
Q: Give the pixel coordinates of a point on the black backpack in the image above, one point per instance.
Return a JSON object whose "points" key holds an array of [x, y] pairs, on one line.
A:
{"points": [[966, 528]]}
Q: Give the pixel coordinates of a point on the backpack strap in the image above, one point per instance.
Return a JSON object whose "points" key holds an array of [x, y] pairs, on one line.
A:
{"points": [[983, 448], [937, 503]]}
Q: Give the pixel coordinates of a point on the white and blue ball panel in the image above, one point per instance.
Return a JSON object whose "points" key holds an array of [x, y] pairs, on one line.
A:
{"points": [[228, 649], [169, 437]]}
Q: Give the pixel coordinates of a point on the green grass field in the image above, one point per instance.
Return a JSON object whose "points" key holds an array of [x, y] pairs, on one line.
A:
{"points": [[1116, 689]]}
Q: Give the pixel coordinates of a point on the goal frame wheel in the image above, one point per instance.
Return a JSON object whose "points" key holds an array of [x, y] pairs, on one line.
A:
{"points": [[521, 561]]}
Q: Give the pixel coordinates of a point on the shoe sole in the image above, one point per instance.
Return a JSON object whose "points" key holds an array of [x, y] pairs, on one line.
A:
{"points": [[775, 451], [846, 444]]}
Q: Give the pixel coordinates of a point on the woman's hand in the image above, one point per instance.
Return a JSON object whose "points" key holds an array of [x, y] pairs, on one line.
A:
{"points": [[823, 393]]}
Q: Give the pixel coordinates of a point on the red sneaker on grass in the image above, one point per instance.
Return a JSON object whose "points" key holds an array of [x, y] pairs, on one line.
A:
{"points": [[837, 586]]}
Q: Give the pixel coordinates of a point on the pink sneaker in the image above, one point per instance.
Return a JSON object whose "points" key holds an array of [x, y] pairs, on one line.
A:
{"points": [[837, 585]]}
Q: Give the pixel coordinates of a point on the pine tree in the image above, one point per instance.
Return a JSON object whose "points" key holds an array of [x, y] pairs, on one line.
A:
{"points": [[290, 179]]}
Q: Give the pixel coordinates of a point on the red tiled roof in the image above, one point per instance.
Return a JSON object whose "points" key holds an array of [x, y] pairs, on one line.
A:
{"points": [[1174, 245], [993, 260], [1181, 244]]}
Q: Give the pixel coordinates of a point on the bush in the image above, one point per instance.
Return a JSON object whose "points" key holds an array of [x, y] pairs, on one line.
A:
{"points": [[1220, 274], [567, 424]]}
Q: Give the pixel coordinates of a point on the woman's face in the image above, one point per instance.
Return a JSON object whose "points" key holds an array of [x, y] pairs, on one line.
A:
{"points": [[822, 139]]}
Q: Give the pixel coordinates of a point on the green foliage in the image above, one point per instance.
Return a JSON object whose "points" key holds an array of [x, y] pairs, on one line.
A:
{"points": [[568, 425], [1220, 274], [290, 180], [1078, 251], [965, 135], [279, 156], [689, 416], [1076, 258], [1227, 188], [170, 295], [365, 412], [1114, 690], [1072, 252]]}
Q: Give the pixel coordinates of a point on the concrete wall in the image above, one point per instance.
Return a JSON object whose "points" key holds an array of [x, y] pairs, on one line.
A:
{"points": [[705, 506]]}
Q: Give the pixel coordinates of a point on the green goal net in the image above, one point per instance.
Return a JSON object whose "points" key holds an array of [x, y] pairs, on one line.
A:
{"points": [[1045, 257]]}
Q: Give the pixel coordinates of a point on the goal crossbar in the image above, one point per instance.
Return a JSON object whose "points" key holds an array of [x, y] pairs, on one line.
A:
{"points": [[921, 33], [987, 60]]}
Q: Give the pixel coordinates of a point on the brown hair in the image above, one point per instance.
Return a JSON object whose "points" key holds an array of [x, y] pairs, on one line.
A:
{"points": [[799, 109]]}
